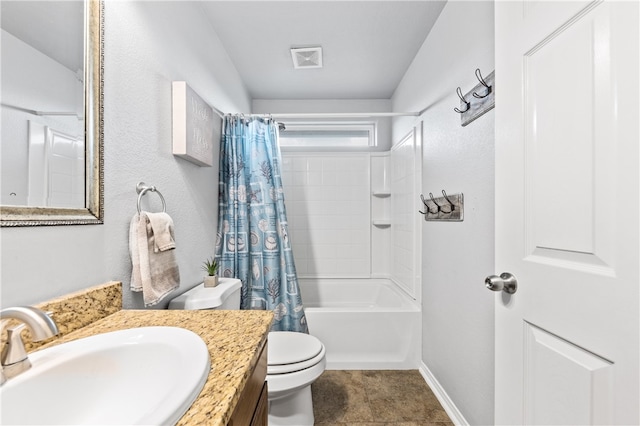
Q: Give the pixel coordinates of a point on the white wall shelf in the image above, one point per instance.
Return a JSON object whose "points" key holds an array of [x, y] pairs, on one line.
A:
{"points": [[380, 222]]}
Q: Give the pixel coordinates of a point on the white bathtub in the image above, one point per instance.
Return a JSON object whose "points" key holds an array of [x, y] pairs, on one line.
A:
{"points": [[364, 324]]}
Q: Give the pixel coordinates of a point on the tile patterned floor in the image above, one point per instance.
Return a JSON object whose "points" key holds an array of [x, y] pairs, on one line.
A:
{"points": [[375, 398]]}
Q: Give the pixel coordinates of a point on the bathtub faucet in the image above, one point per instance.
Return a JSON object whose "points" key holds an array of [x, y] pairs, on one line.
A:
{"points": [[14, 356]]}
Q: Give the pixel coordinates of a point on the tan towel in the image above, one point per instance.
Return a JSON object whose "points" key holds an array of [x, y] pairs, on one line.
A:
{"points": [[155, 270], [162, 227]]}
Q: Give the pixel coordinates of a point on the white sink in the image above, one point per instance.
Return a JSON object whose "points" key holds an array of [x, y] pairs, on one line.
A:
{"points": [[147, 375]]}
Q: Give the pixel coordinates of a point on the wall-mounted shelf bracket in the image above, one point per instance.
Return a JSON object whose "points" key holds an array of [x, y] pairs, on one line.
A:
{"points": [[382, 223]]}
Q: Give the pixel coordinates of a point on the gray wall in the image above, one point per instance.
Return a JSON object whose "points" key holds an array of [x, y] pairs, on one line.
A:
{"points": [[457, 318], [147, 45]]}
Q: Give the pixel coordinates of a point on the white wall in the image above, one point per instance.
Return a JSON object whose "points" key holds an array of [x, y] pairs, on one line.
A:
{"points": [[328, 208], [147, 45], [457, 318]]}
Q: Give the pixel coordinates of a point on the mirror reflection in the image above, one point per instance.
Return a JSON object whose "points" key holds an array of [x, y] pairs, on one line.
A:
{"points": [[42, 104], [51, 139]]}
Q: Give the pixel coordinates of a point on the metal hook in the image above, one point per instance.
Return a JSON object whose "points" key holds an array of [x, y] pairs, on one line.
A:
{"points": [[468, 104], [434, 202], [453, 206], [427, 206], [484, 83]]}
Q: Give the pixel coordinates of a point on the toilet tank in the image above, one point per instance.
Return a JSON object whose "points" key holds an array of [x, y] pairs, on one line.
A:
{"points": [[226, 295]]}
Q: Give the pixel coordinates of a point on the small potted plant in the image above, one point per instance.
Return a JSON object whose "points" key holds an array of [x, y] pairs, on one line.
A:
{"points": [[211, 268]]}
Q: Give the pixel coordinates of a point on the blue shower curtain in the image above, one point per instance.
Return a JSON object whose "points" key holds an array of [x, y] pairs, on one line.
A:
{"points": [[253, 243]]}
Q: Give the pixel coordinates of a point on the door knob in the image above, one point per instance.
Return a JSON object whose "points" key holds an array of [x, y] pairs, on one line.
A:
{"points": [[505, 282]]}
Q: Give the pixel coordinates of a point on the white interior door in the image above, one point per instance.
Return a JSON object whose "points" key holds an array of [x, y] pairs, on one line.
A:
{"points": [[567, 223]]}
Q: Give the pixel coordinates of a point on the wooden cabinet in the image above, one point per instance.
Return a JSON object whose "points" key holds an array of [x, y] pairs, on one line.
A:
{"points": [[253, 407], [261, 415]]}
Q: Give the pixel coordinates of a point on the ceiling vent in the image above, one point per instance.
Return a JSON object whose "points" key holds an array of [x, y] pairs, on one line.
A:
{"points": [[307, 57]]}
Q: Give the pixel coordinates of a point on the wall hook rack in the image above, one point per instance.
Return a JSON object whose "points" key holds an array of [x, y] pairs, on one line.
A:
{"points": [[482, 97], [449, 208]]}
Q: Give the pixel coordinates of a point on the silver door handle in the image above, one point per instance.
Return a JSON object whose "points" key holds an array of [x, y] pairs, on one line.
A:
{"points": [[505, 282]]}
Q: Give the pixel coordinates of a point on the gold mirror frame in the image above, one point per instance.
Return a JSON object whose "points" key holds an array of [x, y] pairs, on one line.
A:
{"points": [[93, 213]]}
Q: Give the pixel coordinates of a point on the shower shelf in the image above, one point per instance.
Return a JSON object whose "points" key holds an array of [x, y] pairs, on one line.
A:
{"points": [[382, 222], [382, 194]]}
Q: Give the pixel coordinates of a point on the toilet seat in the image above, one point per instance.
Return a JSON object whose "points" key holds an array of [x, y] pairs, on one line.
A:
{"points": [[290, 351]]}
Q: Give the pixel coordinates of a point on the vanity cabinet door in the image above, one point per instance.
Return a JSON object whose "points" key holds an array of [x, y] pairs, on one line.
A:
{"points": [[261, 416], [252, 408]]}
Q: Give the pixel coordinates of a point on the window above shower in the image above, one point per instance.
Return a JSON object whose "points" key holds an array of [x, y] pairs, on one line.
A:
{"points": [[334, 136]]}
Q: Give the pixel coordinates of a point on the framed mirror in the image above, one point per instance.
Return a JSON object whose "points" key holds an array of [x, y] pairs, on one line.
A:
{"points": [[51, 148]]}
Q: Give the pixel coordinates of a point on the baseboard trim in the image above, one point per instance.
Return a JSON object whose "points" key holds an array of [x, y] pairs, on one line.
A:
{"points": [[452, 411]]}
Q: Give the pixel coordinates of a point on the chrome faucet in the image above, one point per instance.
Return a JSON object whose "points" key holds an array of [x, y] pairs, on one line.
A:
{"points": [[14, 356]]}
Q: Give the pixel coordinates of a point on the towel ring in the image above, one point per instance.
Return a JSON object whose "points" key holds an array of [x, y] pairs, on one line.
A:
{"points": [[142, 189]]}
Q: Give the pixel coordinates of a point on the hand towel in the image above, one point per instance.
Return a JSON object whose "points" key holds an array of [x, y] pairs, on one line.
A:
{"points": [[154, 268], [162, 227]]}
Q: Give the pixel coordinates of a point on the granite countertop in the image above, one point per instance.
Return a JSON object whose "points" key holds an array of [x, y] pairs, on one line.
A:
{"points": [[234, 339]]}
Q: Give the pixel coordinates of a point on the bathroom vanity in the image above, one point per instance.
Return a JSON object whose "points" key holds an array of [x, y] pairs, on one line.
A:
{"points": [[235, 390]]}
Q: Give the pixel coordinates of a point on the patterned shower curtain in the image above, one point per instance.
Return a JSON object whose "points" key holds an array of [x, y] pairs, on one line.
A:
{"points": [[252, 243]]}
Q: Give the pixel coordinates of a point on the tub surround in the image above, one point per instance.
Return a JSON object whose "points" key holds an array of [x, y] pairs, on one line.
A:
{"points": [[235, 340]]}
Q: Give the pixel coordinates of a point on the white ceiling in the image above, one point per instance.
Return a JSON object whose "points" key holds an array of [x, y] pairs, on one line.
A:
{"points": [[367, 45]]}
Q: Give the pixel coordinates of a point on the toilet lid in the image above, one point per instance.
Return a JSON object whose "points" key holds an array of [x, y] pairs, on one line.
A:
{"points": [[288, 347]]}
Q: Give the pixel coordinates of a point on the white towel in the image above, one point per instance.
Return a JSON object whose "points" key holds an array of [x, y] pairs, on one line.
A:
{"points": [[151, 245]]}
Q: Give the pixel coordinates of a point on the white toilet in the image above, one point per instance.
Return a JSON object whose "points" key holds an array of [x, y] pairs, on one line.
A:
{"points": [[295, 360]]}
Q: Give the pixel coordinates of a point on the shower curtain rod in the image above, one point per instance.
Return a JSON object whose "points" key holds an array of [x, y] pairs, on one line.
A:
{"points": [[339, 114], [329, 114]]}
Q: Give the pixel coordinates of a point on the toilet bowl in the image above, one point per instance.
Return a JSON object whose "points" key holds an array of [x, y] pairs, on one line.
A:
{"points": [[294, 360]]}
